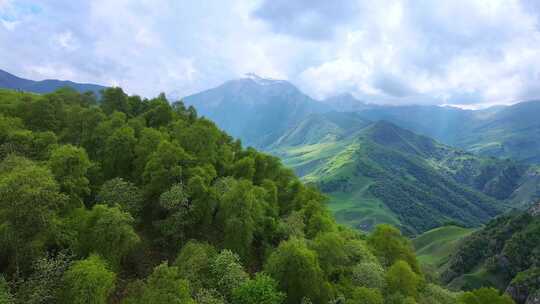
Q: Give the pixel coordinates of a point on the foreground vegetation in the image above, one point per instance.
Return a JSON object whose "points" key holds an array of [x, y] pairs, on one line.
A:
{"points": [[140, 201], [505, 254]]}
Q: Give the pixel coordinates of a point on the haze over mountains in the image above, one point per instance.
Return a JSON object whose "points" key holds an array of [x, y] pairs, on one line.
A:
{"points": [[502, 131], [10, 81]]}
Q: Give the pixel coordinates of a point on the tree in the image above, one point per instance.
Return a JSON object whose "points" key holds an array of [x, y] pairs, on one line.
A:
{"points": [[365, 296], [244, 168], [484, 296], [45, 283], [114, 99], [330, 248], [88, 281], [400, 278], [260, 290], [119, 155], [179, 218], [107, 231], [240, 213], [5, 294], [164, 168], [159, 112], [296, 269], [148, 142], [121, 192], [434, 294], [209, 296], [227, 273], [368, 274], [29, 206], [390, 246], [69, 164], [164, 285], [200, 139], [194, 264]]}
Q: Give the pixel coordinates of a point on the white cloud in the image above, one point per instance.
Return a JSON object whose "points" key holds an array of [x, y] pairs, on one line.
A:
{"points": [[398, 51]]}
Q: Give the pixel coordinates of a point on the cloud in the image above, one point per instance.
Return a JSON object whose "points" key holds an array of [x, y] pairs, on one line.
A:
{"points": [[387, 51], [308, 19]]}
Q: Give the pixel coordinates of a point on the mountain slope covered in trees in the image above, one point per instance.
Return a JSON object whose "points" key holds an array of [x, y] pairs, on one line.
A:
{"points": [[504, 131], [504, 254], [12, 82], [378, 172], [142, 201]]}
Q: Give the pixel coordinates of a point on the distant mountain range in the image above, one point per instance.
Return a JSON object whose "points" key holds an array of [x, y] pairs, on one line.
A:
{"points": [[259, 111], [12, 82]]}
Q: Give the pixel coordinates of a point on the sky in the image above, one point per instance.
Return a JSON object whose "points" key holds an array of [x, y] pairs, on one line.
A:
{"points": [[456, 52]]}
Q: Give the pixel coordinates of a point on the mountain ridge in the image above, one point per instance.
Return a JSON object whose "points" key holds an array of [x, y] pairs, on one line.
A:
{"points": [[10, 81]]}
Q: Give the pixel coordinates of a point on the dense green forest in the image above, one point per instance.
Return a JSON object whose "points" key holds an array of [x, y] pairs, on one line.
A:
{"points": [[377, 172], [130, 200], [504, 254]]}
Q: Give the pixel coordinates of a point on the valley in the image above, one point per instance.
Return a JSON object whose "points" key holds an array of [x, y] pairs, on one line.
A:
{"points": [[372, 166]]}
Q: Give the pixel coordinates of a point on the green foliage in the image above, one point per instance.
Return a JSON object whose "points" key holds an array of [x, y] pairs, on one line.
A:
{"points": [[124, 193], [227, 273], [29, 204], [107, 231], [260, 290], [164, 285], [114, 99], [401, 279], [434, 294], [119, 153], [135, 182], [390, 246], [45, 283], [379, 173], [505, 247], [296, 269], [484, 296], [69, 165], [240, 214], [163, 168], [194, 264], [366, 296], [369, 275], [5, 293], [88, 281]]}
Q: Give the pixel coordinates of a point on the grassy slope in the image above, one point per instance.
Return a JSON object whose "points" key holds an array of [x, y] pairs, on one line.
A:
{"points": [[351, 168], [433, 248]]}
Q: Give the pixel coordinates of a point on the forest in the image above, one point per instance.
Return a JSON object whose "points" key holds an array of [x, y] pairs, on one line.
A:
{"points": [[120, 199]]}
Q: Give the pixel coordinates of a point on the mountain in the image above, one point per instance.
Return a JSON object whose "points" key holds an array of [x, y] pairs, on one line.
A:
{"points": [[260, 111], [347, 103], [503, 131], [9, 81], [255, 109], [378, 172], [504, 254]]}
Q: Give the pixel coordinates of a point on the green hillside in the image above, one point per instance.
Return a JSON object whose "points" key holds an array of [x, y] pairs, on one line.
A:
{"points": [[434, 247], [504, 254], [504, 131], [380, 173]]}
